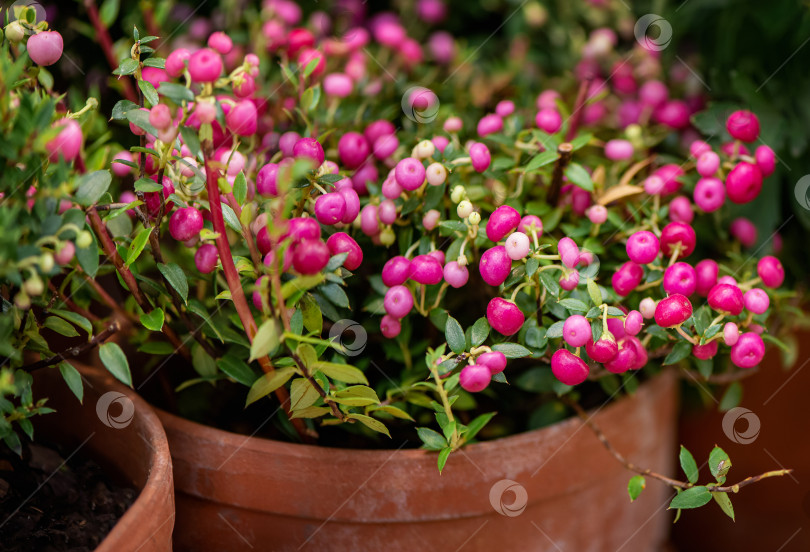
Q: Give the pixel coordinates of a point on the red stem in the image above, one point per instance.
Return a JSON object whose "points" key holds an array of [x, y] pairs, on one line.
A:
{"points": [[106, 42], [579, 106]]}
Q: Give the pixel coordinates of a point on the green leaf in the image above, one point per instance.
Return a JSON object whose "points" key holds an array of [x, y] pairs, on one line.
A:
{"points": [[312, 315], [311, 412], [60, 326], [680, 351], [310, 67], [705, 367], [74, 318], [512, 350], [551, 285], [91, 186], [579, 176], [153, 320], [175, 92], [574, 305], [356, 395], [302, 394], [240, 188], [394, 411], [335, 294], [719, 463], [693, 497], [477, 425], [191, 139], [159, 63], [541, 160], [231, 219], [724, 501], [732, 397], [443, 455], [302, 283], [73, 379], [267, 383], [121, 107], [689, 465], [555, 330], [141, 120], [370, 423], [158, 348], [341, 372], [176, 278], [581, 141], [108, 11], [531, 266], [116, 362], [635, 486], [265, 341], [149, 92], [454, 334], [203, 363], [147, 185], [237, 369], [127, 67], [480, 331], [593, 291], [138, 244], [431, 439]]}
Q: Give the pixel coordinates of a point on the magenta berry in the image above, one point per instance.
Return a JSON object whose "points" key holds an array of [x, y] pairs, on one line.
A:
{"points": [[743, 125], [390, 326], [618, 150], [743, 231], [426, 269], [744, 183], [396, 271], [185, 223], [678, 234], [766, 160], [204, 65], [707, 164], [748, 351], [670, 174], [352, 201], [303, 229], [727, 280], [624, 359], [548, 120], [673, 311], [310, 256], [569, 368], [287, 141], [569, 280], [653, 93], [480, 157], [309, 148], [494, 360], [495, 265], [474, 378], [517, 246], [756, 300], [709, 194], [627, 278], [568, 251], [642, 247], [489, 124], [369, 223], [45, 48], [242, 119], [654, 185], [504, 316], [455, 274], [731, 333], [176, 62], [387, 211], [603, 350], [633, 322], [529, 223], [707, 351], [410, 173], [338, 85], [353, 149], [220, 42], [680, 210], [330, 208], [771, 272], [398, 301], [206, 257], [705, 276], [341, 242], [266, 180], [68, 143], [576, 330], [726, 298], [438, 254], [505, 108], [502, 222], [680, 278], [641, 355]]}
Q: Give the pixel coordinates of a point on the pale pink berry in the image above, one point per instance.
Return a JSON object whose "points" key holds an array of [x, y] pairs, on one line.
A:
{"points": [[426, 269], [396, 271], [480, 157], [495, 265], [744, 182], [707, 164], [436, 174], [474, 378], [185, 223], [743, 125], [455, 274], [619, 150], [391, 188], [569, 368], [603, 350], [505, 108], [680, 278], [680, 210], [654, 185], [642, 247], [568, 251], [633, 322], [68, 143], [647, 307], [431, 219], [548, 120], [771, 272], [504, 316], [597, 214], [387, 211], [494, 360], [438, 254], [672, 311], [337, 85], [309, 148], [503, 221], [517, 246], [766, 160], [65, 254], [341, 242], [453, 124], [385, 146], [726, 298], [547, 99], [756, 300], [440, 142], [206, 258], [410, 173], [390, 326], [398, 301], [744, 231], [489, 124], [369, 222], [119, 169], [45, 48], [731, 333], [748, 351], [576, 330], [204, 65], [160, 117], [570, 280], [353, 149]]}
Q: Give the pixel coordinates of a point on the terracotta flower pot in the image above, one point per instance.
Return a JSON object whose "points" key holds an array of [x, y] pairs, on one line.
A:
{"points": [[235, 492], [121, 432]]}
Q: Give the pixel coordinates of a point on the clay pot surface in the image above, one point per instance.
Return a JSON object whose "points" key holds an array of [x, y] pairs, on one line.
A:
{"points": [[557, 488], [122, 433]]}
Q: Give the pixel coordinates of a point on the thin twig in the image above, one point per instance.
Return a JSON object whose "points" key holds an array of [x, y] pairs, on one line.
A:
{"points": [[335, 410], [565, 150], [74, 352], [71, 305]]}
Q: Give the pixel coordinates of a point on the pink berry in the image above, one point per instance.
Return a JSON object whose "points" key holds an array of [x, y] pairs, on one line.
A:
{"points": [[618, 150], [337, 85], [495, 265], [387, 211], [308, 55], [176, 62], [474, 378], [674, 114], [653, 93], [641, 356], [341, 242], [352, 201], [504, 316], [707, 164], [396, 271], [731, 333], [673, 311], [698, 148], [569, 368], [744, 183], [303, 229], [654, 185], [431, 219], [426, 270], [517, 246], [576, 330], [603, 350], [624, 359], [453, 124], [68, 143], [597, 214], [391, 188], [633, 322], [310, 256], [547, 99], [160, 117], [627, 278], [480, 157], [726, 298], [185, 223], [65, 254], [744, 231], [369, 223], [727, 280], [502, 222], [680, 278], [206, 257], [390, 326], [771, 272], [287, 141], [642, 247], [410, 173], [680, 210], [734, 149], [705, 276], [330, 208], [378, 128], [438, 254], [455, 274], [266, 180], [489, 124], [706, 351], [309, 148], [154, 200], [569, 280], [494, 360], [505, 108], [766, 160], [204, 65], [743, 125], [45, 48], [298, 39], [385, 146], [119, 169], [709, 194], [548, 120], [398, 301], [529, 223], [670, 175], [748, 351], [568, 251], [756, 300], [676, 233], [353, 149], [242, 119]]}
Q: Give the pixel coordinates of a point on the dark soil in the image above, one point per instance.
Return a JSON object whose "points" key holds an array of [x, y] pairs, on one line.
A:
{"points": [[75, 508]]}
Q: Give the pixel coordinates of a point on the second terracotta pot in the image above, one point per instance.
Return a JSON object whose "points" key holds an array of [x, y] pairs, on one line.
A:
{"points": [[555, 488]]}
